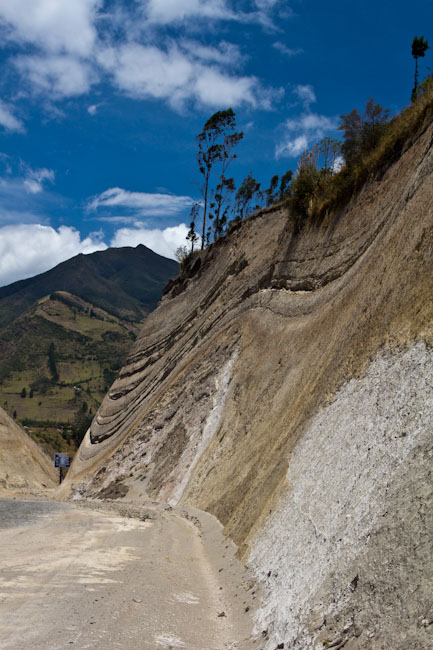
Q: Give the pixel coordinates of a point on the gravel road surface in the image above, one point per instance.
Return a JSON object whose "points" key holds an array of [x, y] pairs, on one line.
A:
{"points": [[77, 577]]}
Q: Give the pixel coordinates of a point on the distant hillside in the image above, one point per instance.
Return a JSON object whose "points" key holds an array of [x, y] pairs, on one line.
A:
{"points": [[64, 335], [56, 362], [126, 282]]}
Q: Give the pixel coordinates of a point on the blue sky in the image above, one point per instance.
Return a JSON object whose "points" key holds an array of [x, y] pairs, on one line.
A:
{"points": [[101, 101]]}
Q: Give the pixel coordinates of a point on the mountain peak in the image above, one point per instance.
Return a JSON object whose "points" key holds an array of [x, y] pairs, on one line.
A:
{"points": [[110, 279]]}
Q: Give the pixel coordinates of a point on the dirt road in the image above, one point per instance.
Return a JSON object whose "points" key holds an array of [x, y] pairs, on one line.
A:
{"points": [[74, 577]]}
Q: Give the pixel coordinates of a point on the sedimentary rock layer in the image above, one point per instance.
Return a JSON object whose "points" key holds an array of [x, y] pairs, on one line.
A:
{"points": [[284, 385]]}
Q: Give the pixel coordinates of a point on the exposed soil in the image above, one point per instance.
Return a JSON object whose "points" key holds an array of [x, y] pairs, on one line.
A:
{"points": [[106, 576]]}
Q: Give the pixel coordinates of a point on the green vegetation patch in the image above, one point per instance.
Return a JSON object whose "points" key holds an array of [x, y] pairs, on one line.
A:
{"points": [[54, 376]]}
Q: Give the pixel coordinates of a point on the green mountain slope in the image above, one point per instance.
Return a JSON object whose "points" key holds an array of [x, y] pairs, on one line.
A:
{"points": [[57, 360], [64, 335], [126, 282]]}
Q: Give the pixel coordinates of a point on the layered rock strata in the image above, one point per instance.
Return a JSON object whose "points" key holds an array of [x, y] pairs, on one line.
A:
{"points": [[284, 384]]}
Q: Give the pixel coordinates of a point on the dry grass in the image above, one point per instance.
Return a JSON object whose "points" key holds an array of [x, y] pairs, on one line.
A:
{"points": [[400, 133]]}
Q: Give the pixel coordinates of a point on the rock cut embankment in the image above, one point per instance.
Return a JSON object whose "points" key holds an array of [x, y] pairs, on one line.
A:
{"points": [[284, 384], [25, 470]]}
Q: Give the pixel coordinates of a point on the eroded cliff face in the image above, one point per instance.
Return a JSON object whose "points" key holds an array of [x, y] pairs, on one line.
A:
{"points": [[24, 468], [285, 385]]}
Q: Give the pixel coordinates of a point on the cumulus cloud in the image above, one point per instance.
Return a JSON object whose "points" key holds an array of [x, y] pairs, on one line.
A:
{"points": [[35, 178], [63, 36], [143, 203], [68, 46], [302, 132], [29, 249], [162, 241], [214, 88], [59, 76], [178, 76], [92, 110], [8, 120], [55, 26]]}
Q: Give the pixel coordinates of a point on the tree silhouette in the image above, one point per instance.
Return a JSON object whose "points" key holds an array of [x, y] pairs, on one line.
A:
{"points": [[225, 186], [362, 133], [271, 192], [329, 150], [215, 142], [221, 196], [248, 190], [419, 48], [285, 181], [192, 235]]}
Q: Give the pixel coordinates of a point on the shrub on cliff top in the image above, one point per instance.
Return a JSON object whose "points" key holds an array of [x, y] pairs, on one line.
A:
{"points": [[367, 157]]}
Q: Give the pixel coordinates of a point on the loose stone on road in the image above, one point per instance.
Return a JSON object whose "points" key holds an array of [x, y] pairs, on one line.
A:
{"points": [[89, 578]]}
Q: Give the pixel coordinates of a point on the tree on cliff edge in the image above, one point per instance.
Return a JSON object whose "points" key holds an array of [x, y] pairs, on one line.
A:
{"points": [[192, 236], [419, 48], [215, 143]]}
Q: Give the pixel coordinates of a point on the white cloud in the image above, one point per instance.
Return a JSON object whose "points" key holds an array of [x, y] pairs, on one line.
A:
{"points": [[54, 25], [266, 10], [214, 88], [176, 76], [22, 199], [92, 110], [29, 249], [312, 122], [8, 119], [145, 72], [292, 148], [302, 132], [66, 45], [35, 179], [305, 94], [162, 241], [288, 51], [59, 76], [165, 12], [143, 203], [224, 54], [338, 164], [117, 219], [171, 11]]}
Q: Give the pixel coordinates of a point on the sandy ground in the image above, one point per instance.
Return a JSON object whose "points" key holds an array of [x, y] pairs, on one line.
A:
{"points": [[108, 576]]}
